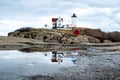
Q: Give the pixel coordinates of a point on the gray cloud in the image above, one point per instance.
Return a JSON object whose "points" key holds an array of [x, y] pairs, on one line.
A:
{"points": [[96, 13], [101, 3], [36, 7]]}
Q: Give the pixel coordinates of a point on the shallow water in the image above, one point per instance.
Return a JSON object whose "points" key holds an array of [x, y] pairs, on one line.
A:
{"points": [[14, 65]]}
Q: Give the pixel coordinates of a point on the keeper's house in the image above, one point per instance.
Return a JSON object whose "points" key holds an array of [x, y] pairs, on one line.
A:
{"points": [[57, 23]]}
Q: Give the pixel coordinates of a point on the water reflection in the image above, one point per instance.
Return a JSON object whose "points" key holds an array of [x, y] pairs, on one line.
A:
{"points": [[57, 57], [74, 60], [15, 64], [40, 49]]}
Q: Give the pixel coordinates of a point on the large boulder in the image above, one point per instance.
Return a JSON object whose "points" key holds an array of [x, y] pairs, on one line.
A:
{"points": [[113, 36], [96, 33], [32, 35], [81, 39], [93, 40], [107, 41]]}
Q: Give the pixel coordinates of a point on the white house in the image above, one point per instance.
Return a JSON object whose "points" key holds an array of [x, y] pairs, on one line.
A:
{"points": [[57, 22]]}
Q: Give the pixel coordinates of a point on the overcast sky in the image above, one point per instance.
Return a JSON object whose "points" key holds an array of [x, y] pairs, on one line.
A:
{"points": [[103, 14]]}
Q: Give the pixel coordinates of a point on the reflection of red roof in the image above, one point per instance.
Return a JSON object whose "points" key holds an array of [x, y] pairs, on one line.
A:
{"points": [[55, 19], [54, 60]]}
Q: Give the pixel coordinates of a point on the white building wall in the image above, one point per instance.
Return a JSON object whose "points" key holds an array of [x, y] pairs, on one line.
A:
{"points": [[59, 23], [73, 22]]}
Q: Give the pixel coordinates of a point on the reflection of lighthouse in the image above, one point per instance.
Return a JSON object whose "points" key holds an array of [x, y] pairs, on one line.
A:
{"points": [[73, 20], [57, 57]]}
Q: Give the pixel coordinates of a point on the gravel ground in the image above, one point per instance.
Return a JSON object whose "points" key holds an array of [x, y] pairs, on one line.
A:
{"points": [[102, 67]]}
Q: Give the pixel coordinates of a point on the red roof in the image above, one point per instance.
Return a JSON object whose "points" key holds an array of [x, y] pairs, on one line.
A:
{"points": [[55, 19]]}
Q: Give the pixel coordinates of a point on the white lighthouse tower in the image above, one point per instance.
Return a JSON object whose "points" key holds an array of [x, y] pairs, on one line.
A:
{"points": [[73, 20]]}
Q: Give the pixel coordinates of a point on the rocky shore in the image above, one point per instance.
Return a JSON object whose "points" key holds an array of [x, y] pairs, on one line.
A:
{"points": [[67, 36], [99, 61], [13, 43]]}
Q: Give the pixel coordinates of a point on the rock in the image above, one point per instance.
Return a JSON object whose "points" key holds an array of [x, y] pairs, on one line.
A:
{"points": [[107, 41], [81, 39], [93, 40], [67, 36], [54, 36], [113, 36], [70, 40], [96, 33], [63, 40]]}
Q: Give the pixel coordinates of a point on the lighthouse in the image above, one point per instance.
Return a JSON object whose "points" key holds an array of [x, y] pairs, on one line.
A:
{"points": [[73, 20]]}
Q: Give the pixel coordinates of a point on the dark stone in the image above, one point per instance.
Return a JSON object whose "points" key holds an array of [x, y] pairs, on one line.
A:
{"points": [[113, 36], [96, 33]]}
